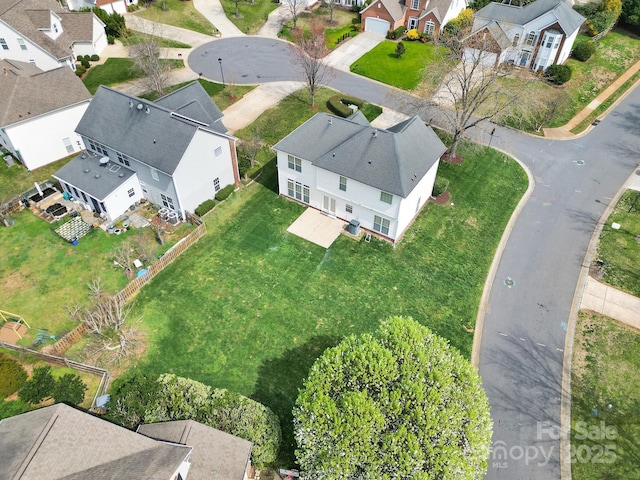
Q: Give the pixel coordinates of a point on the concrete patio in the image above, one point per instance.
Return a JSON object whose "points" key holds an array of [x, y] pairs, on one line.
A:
{"points": [[317, 227]]}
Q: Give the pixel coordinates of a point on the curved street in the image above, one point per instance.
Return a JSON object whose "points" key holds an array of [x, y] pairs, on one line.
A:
{"points": [[528, 312]]}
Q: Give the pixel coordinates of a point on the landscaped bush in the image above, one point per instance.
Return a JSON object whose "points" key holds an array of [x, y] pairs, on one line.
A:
{"points": [[584, 50], [397, 33], [205, 206], [461, 23], [413, 34], [41, 385], [111, 39], [339, 104], [558, 74], [80, 70], [85, 63], [95, 58], [440, 186], [400, 49], [69, 389], [12, 376], [224, 193]]}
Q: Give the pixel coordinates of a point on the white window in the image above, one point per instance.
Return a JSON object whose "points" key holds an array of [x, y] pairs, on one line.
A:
{"points": [[216, 184], [557, 44], [295, 163], [123, 159], [379, 4], [55, 27], [298, 191], [3, 43], [154, 174], [343, 184], [413, 23], [549, 41], [305, 193], [67, 144], [167, 201], [32, 61], [131, 192], [429, 27], [349, 208], [415, 4], [143, 186], [531, 38], [381, 225], [386, 197], [97, 147], [516, 39], [218, 151], [22, 44]]}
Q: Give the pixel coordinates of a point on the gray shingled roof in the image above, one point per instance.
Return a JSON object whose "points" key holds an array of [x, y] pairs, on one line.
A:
{"points": [[81, 172], [393, 160], [194, 102], [60, 442], [26, 91], [216, 455], [567, 17], [499, 35], [144, 130]]}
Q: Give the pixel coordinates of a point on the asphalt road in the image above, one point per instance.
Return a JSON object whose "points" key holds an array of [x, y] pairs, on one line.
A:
{"points": [[524, 333]]}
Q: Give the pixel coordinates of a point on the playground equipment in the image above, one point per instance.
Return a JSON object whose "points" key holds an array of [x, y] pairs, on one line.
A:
{"points": [[13, 321]]}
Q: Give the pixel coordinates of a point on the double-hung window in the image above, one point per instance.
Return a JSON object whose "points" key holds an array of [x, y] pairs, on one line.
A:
{"points": [[343, 183], [3, 44], [381, 224], [386, 197], [295, 163], [23, 45]]}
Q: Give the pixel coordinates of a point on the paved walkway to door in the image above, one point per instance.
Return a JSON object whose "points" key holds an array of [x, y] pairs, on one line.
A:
{"points": [[317, 227]]}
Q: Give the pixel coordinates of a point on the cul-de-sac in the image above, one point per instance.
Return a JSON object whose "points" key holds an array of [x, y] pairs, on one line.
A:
{"points": [[319, 239]]}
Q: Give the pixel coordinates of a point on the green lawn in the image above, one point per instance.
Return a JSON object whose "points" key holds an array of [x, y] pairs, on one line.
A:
{"points": [[251, 14], [179, 14], [618, 249], [17, 179], [117, 70], [251, 306], [137, 37], [344, 22], [605, 440], [382, 64]]}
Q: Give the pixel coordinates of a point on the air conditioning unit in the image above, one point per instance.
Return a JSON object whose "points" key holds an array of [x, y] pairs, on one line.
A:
{"points": [[163, 213], [173, 218]]}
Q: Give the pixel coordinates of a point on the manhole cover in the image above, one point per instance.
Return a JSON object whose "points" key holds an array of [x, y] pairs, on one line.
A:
{"points": [[509, 282]]}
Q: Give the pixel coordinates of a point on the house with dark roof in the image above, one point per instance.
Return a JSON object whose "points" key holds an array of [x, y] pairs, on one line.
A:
{"points": [[427, 16], [61, 442], [532, 36], [44, 34], [349, 169], [174, 152], [36, 125]]}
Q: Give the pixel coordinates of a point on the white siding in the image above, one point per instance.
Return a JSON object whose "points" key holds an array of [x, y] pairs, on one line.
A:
{"points": [[49, 129], [119, 201], [565, 51], [455, 7], [97, 44], [42, 58], [417, 198], [193, 179]]}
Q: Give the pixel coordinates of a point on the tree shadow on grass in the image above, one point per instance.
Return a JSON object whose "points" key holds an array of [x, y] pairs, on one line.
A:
{"points": [[268, 177], [280, 379]]}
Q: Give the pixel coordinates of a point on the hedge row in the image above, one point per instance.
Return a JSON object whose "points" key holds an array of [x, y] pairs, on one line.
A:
{"points": [[12, 376], [224, 193], [339, 104]]}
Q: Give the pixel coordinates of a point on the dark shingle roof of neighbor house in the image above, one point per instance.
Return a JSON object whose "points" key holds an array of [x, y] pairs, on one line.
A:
{"points": [[216, 455], [394, 7], [61, 442], [28, 92], [86, 173], [567, 17], [30, 16], [393, 160], [146, 131], [193, 101]]}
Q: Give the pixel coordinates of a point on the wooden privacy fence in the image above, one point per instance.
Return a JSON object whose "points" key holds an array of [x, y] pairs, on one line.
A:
{"points": [[65, 362], [65, 342]]}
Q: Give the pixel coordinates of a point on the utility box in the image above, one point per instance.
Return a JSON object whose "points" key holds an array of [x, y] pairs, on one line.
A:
{"points": [[354, 227]]}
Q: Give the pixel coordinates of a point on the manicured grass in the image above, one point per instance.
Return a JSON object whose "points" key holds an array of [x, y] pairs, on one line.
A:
{"points": [[117, 70], [251, 15], [405, 72], [606, 360], [136, 37], [618, 249], [17, 179], [344, 22], [179, 14], [252, 306]]}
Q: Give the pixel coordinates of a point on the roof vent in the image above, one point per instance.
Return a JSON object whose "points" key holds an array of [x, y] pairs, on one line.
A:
{"points": [[121, 175], [330, 121], [140, 106], [334, 154], [84, 155], [147, 110], [130, 103], [97, 175], [86, 170], [374, 134]]}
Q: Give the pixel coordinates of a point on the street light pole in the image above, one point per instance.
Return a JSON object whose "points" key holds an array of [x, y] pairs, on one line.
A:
{"points": [[221, 72], [491, 137]]}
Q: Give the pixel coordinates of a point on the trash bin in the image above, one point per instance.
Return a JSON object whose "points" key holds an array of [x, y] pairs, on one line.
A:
{"points": [[354, 227]]}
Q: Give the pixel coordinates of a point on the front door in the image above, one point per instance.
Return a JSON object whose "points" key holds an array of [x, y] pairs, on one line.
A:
{"points": [[413, 23], [329, 204]]}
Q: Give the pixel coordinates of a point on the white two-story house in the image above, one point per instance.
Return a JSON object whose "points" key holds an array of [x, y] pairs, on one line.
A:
{"points": [[533, 36], [44, 34], [174, 152], [351, 170]]}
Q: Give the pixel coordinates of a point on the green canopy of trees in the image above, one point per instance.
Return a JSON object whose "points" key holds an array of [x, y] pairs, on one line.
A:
{"points": [[631, 12], [138, 399], [399, 403], [42, 385]]}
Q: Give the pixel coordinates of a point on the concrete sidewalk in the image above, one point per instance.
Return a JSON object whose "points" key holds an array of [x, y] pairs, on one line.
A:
{"points": [[212, 11], [275, 20], [611, 302], [351, 50], [178, 34]]}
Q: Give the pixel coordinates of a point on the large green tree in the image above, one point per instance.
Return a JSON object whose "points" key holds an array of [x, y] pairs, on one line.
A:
{"points": [[399, 403]]}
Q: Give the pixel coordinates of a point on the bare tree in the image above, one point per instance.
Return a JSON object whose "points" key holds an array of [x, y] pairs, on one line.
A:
{"points": [[147, 58], [295, 8], [308, 52], [471, 91], [543, 103], [236, 3], [331, 6], [122, 257], [250, 147]]}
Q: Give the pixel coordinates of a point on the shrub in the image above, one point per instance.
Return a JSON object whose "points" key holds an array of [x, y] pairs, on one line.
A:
{"points": [[400, 49], [80, 70], [224, 193], [69, 389], [462, 22], [413, 34], [558, 74], [584, 50], [41, 385], [440, 186], [13, 408], [339, 104], [94, 58], [397, 33], [85, 63], [12, 376], [111, 39], [205, 206]]}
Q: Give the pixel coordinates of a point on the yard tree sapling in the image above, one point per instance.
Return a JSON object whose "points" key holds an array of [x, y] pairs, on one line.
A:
{"points": [[396, 403], [400, 49], [331, 5], [69, 389], [39, 387], [295, 8], [148, 58], [308, 52]]}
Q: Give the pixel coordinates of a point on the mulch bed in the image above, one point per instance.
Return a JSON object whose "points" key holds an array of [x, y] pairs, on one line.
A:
{"points": [[442, 199], [457, 158]]}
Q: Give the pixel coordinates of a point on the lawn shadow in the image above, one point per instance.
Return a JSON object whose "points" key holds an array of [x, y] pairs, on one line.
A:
{"points": [[280, 379], [268, 177]]}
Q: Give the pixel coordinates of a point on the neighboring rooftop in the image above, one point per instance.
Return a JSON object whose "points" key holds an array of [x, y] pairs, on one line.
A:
{"points": [[194, 102], [216, 455], [567, 17], [393, 160], [27, 91]]}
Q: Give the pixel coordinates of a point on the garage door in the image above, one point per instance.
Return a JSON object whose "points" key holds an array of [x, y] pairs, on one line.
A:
{"points": [[376, 25]]}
